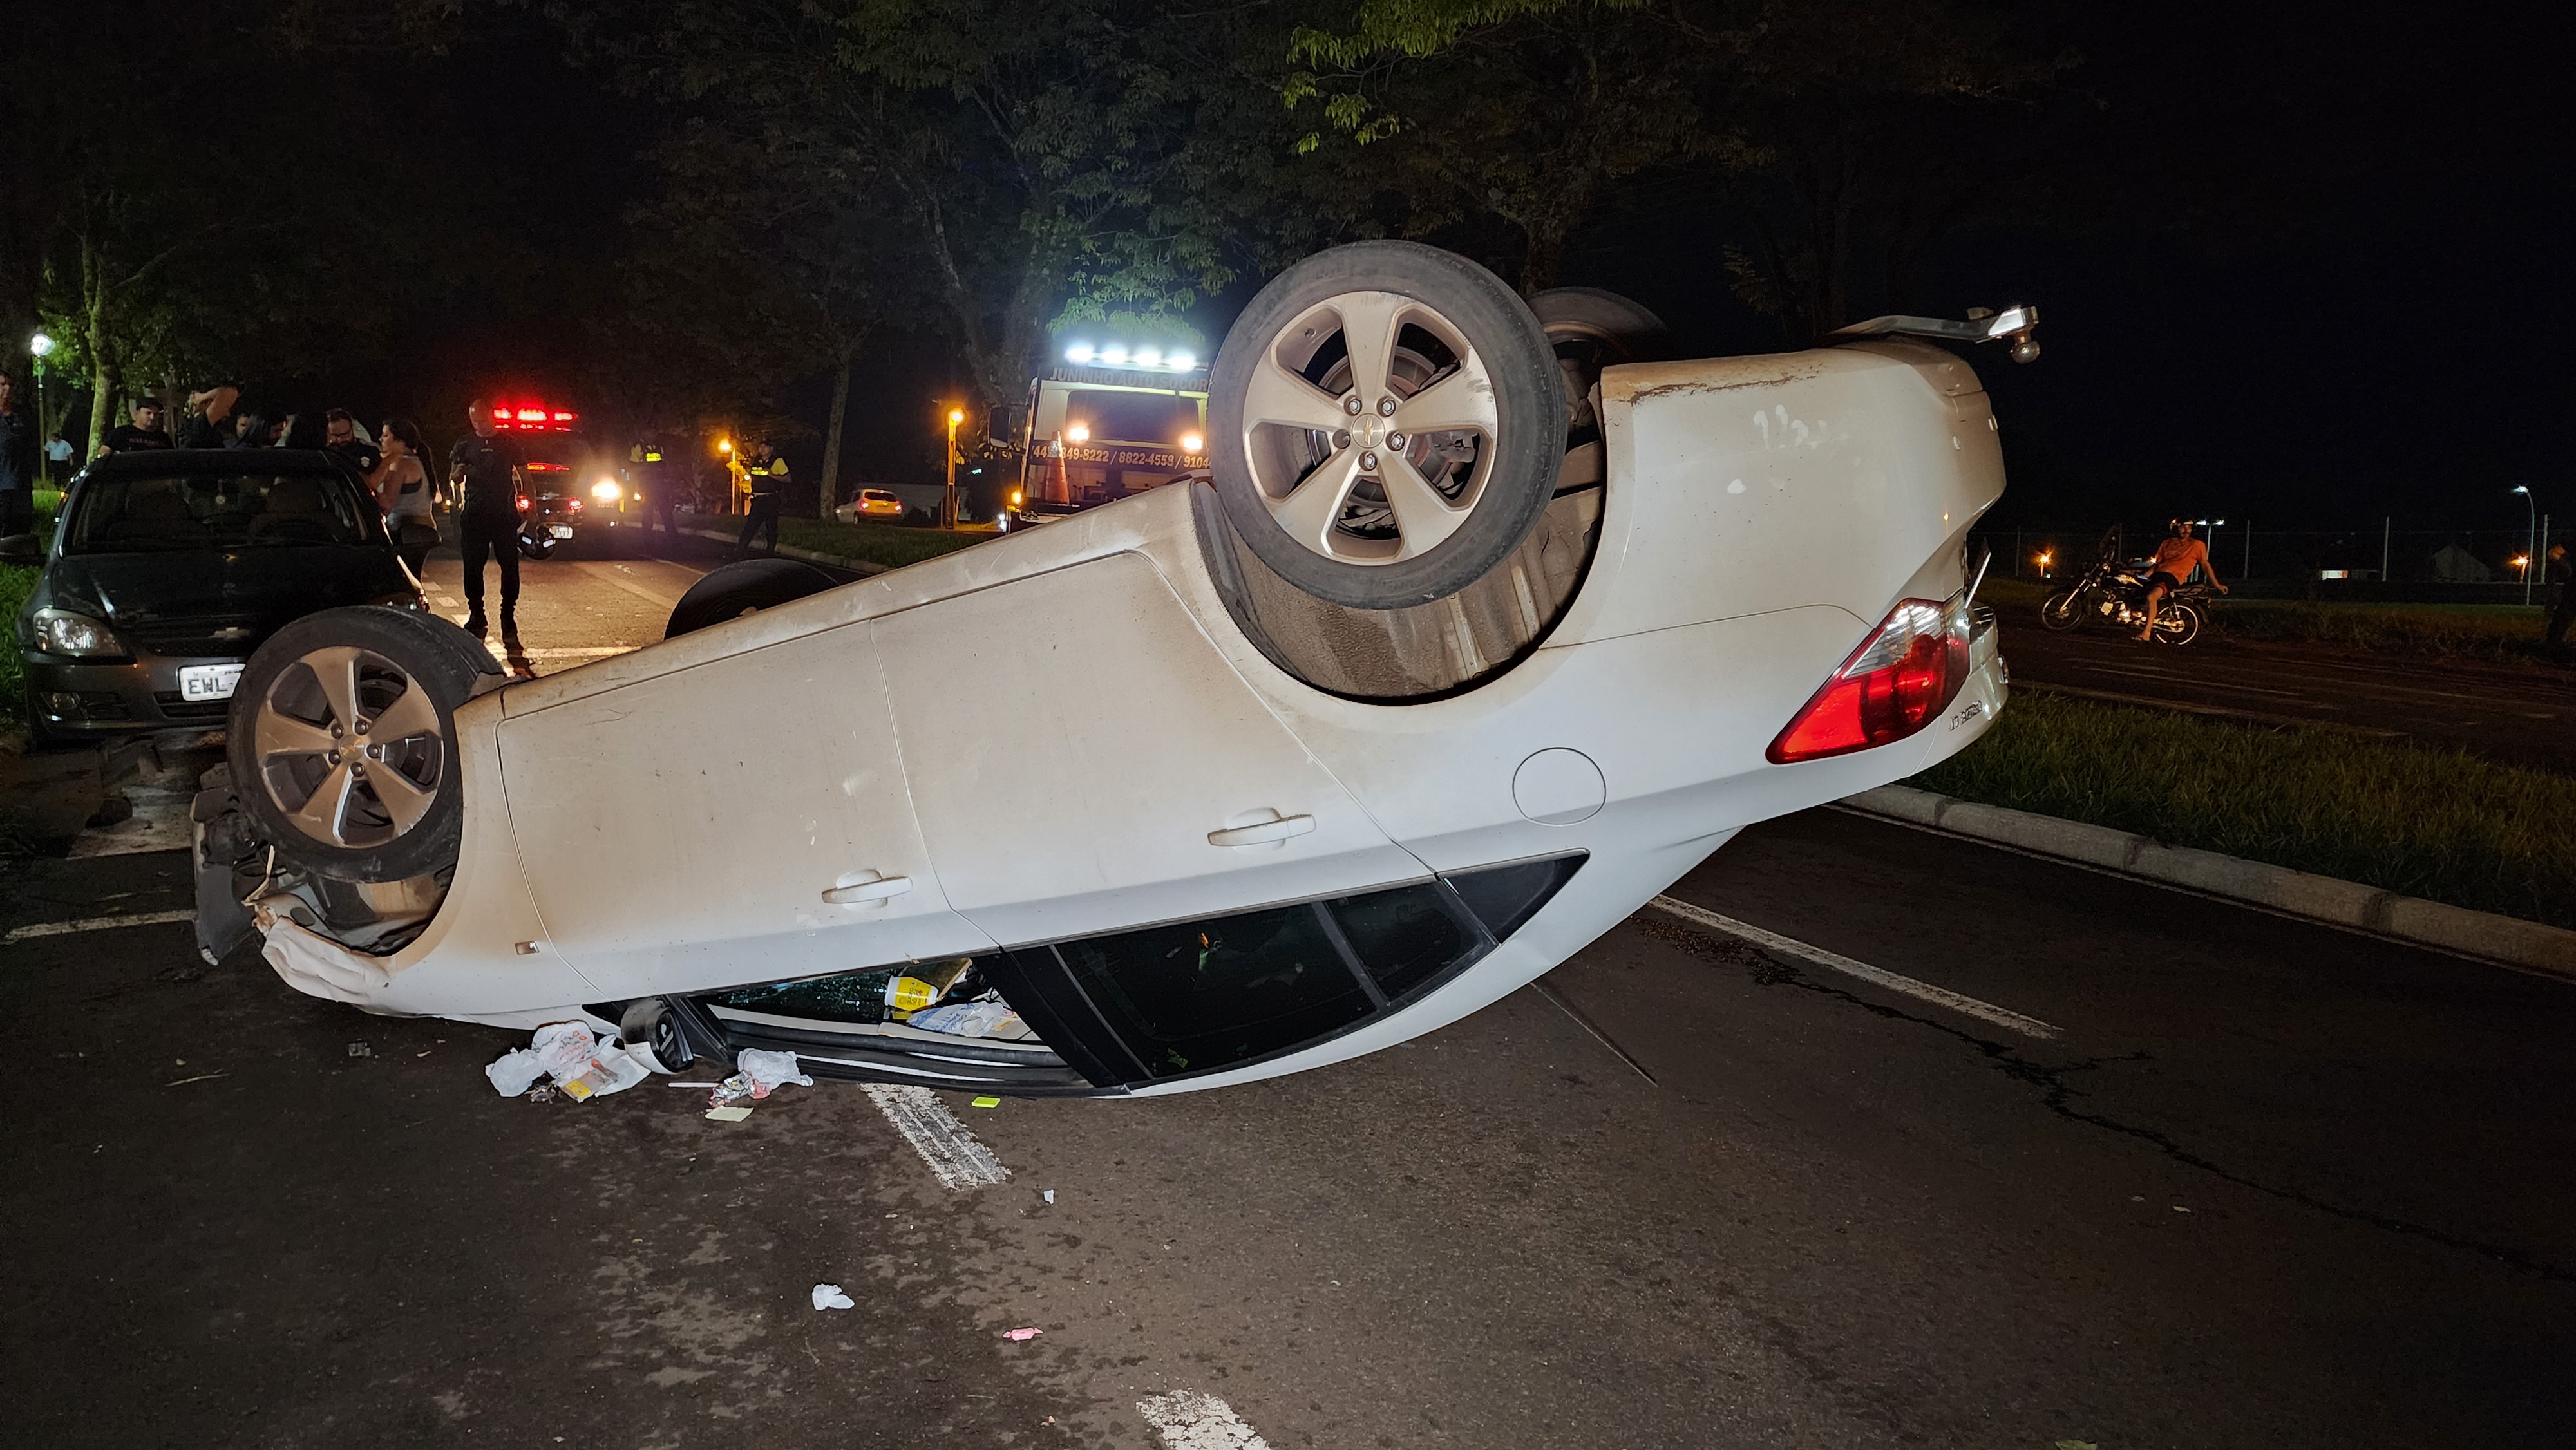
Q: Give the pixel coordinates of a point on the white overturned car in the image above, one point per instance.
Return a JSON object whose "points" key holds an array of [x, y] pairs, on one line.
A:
{"points": [[1488, 627]]}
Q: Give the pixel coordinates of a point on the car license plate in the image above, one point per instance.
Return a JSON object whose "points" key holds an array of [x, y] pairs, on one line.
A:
{"points": [[208, 682], [560, 531]]}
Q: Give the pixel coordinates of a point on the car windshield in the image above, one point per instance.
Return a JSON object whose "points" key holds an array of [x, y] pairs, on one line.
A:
{"points": [[132, 513], [1115, 417]]}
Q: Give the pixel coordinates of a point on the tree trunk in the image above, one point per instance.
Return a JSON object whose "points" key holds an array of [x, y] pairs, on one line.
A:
{"points": [[104, 380], [832, 437]]}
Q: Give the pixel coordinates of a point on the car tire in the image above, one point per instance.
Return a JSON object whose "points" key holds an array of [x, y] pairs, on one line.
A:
{"points": [[745, 586], [447, 634], [1600, 329], [1313, 459], [306, 773], [2058, 611]]}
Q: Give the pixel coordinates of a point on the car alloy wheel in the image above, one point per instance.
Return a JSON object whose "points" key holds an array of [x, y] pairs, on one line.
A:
{"points": [[1387, 424], [342, 743], [350, 747]]}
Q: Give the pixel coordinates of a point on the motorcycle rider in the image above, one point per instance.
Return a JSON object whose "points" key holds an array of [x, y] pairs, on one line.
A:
{"points": [[2175, 559], [488, 518]]}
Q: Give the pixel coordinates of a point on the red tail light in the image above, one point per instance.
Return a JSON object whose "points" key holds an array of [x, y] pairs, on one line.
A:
{"points": [[523, 503], [1902, 676]]}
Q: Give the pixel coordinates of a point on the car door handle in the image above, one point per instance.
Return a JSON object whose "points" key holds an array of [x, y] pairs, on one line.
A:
{"points": [[866, 891], [1262, 833]]}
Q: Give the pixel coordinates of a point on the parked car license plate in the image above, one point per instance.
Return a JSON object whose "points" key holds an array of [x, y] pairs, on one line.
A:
{"points": [[208, 682], [560, 531]]}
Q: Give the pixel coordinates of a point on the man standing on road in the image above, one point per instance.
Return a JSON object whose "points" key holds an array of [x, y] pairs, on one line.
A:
{"points": [[2175, 559], [2562, 596], [487, 517], [654, 483], [17, 462], [766, 472], [142, 433]]}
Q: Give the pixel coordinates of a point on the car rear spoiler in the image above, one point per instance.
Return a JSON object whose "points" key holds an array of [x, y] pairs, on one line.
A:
{"points": [[2017, 325]]}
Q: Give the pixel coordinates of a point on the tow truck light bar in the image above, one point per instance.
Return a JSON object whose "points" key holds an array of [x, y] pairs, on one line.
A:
{"points": [[1120, 355]]}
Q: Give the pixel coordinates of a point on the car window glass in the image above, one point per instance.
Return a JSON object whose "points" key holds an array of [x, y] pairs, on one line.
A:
{"points": [[212, 511], [1115, 417], [1199, 995], [1406, 937], [1502, 897]]}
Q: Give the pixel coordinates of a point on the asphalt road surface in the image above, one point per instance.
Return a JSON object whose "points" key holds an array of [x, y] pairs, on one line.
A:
{"points": [[2523, 715], [2266, 1184]]}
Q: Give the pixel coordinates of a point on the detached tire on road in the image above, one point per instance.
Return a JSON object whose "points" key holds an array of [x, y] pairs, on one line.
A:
{"points": [[745, 586], [1386, 423], [342, 743]]}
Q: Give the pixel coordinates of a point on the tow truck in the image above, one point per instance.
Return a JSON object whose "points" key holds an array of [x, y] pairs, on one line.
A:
{"points": [[1105, 422]]}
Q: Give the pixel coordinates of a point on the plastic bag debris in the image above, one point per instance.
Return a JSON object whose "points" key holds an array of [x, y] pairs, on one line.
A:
{"points": [[584, 1067], [1021, 1336], [514, 1072], [829, 1296], [970, 1019], [768, 1071]]}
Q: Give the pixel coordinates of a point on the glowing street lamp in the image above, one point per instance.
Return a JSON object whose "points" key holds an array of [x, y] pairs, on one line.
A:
{"points": [[948, 500], [2534, 546], [37, 347]]}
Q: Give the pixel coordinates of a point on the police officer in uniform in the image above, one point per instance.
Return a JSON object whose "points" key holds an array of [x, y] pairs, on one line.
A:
{"points": [[487, 517], [766, 473]]}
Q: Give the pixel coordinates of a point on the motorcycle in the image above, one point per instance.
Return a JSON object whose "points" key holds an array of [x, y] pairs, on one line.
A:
{"points": [[546, 523], [2110, 593]]}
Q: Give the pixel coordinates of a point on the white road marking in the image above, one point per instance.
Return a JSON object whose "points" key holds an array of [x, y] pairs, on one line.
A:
{"points": [[1188, 1420], [94, 923], [934, 1133], [2003, 1017]]}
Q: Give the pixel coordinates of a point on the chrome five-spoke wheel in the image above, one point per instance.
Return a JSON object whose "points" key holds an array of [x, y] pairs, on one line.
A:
{"points": [[343, 743], [350, 747], [1387, 420]]}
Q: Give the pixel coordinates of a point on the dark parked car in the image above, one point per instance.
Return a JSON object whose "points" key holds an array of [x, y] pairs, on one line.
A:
{"points": [[170, 568]]}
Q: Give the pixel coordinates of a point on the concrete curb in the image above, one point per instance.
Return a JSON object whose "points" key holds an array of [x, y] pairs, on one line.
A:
{"points": [[2505, 939], [790, 551]]}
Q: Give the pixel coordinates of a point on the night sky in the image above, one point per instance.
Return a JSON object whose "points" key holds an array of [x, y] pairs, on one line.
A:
{"points": [[2381, 334]]}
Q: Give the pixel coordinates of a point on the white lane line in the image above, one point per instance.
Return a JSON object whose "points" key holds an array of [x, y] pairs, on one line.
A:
{"points": [[937, 1136], [94, 923], [2003, 1017], [1188, 1420]]}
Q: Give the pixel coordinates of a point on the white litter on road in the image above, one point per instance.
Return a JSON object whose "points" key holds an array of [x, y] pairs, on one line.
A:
{"points": [[2003, 1017], [95, 923], [1188, 1420], [935, 1133], [831, 1296]]}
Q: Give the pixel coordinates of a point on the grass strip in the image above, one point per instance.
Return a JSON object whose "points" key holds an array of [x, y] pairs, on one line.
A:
{"points": [[16, 583], [2496, 633], [2432, 823]]}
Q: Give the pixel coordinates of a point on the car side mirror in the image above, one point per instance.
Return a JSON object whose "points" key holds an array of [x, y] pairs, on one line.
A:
{"points": [[21, 549]]}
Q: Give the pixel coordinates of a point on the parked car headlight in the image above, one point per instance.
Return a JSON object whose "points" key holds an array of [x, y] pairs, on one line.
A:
{"points": [[61, 632]]}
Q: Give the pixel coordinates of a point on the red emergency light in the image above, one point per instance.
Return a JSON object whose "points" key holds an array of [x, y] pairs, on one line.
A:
{"points": [[534, 418]]}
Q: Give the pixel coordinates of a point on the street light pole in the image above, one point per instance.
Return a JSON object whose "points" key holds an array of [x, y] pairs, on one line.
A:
{"points": [[37, 347], [948, 501], [2531, 551]]}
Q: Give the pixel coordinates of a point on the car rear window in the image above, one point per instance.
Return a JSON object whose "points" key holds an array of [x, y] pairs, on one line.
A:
{"points": [[141, 513], [1115, 417]]}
